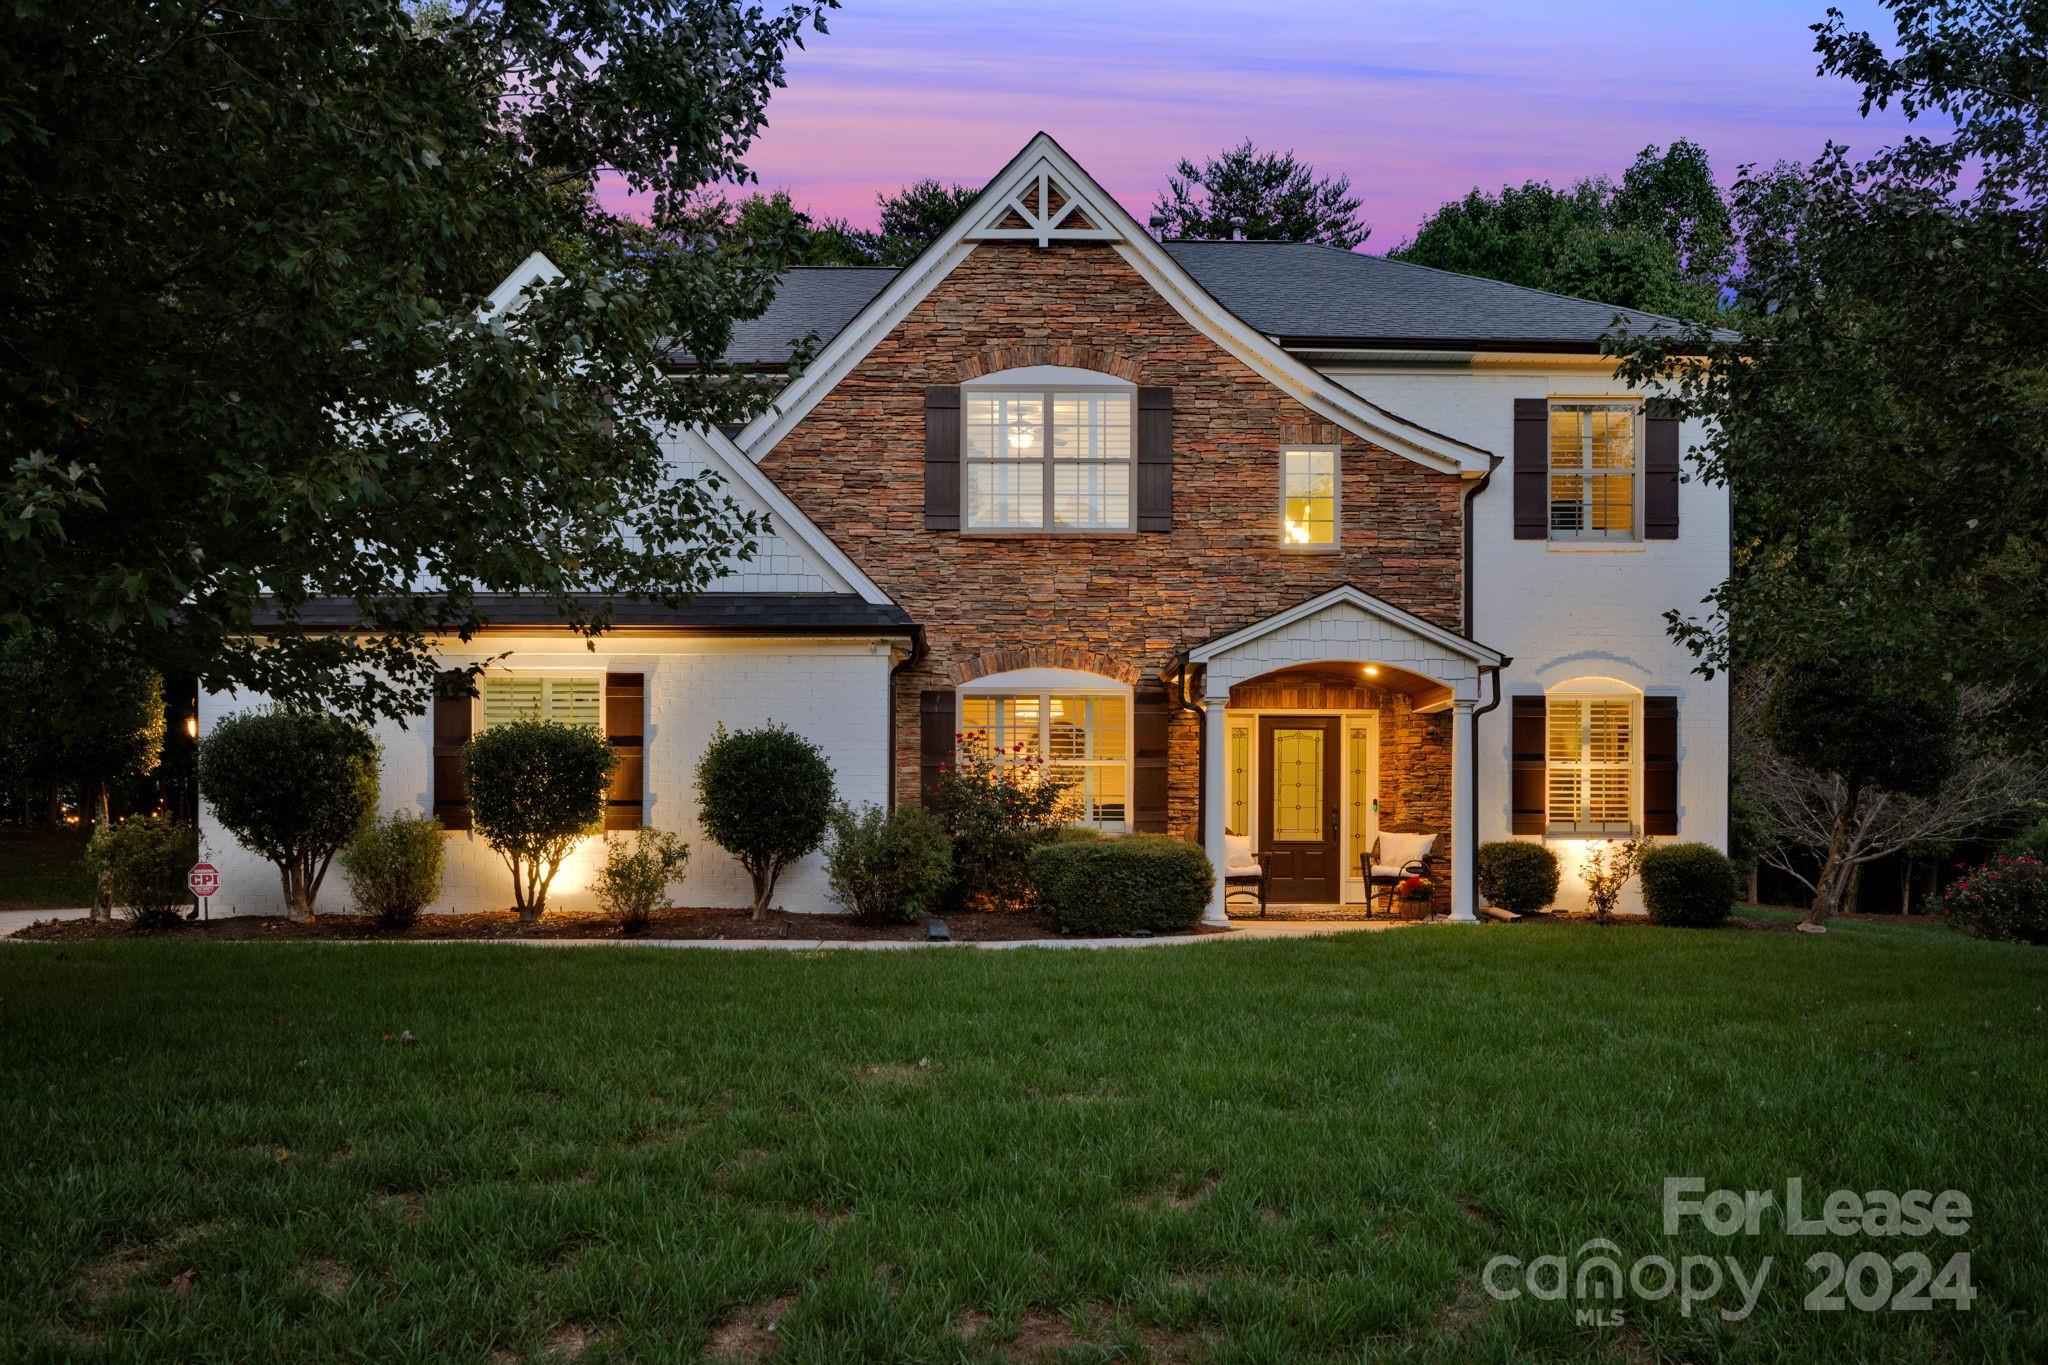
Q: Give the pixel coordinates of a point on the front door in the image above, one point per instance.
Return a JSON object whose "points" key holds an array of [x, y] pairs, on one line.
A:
{"points": [[1299, 767]]}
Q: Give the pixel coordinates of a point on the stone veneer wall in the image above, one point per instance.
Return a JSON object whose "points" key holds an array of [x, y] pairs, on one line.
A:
{"points": [[855, 465]]}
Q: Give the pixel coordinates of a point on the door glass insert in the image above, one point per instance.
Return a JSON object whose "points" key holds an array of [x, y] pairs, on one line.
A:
{"points": [[1297, 784], [1359, 778]]}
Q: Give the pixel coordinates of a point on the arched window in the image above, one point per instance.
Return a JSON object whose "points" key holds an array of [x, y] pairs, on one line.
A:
{"points": [[1048, 448], [1077, 724], [1593, 757]]}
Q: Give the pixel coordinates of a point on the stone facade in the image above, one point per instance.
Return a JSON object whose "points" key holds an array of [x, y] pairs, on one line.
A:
{"points": [[1129, 603]]}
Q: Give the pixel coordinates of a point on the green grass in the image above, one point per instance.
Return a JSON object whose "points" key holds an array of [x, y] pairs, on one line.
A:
{"points": [[43, 870], [1259, 1151]]}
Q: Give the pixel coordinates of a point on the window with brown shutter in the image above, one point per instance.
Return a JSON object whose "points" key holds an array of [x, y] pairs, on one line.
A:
{"points": [[1526, 746], [625, 726], [1151, 718], [1660, 765], [454, 721], [1660, 471], [935, 736], [1532, 469], [1155, 459], [942, 458]]}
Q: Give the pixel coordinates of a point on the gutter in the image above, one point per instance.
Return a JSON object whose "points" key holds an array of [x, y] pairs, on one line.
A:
{"points": [[1493, 672]]}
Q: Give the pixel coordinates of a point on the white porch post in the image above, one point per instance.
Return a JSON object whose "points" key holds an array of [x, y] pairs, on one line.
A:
{"points": [[1464, 845], [1214, 734]]}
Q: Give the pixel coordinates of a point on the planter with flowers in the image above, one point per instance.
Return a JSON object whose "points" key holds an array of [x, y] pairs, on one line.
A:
{"points": [[1414, 897]]}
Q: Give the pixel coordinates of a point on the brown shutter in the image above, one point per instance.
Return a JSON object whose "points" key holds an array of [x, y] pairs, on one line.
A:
{"points": [[1660, 472], [1155, 459], [1151, 717], [454, 719], [1529, 766], [942, 458], [625, 725], [936, 733], [1532, 469], [1660, 765]]}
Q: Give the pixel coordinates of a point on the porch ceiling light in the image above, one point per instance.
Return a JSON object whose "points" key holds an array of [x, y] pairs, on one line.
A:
{"points": [[1372, 670]]}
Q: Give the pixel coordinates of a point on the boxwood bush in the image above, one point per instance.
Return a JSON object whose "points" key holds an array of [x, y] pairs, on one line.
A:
{"points": [[1103, 888], [1517, 876], [393, 867], [1692, 885], [144, 861], [888, 866]]}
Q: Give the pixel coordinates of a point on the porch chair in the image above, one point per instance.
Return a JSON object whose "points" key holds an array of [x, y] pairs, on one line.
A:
{"points": [[1392, 859], [1242, 874]]}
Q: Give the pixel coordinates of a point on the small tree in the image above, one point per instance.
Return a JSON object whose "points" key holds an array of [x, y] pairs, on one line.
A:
{"points": [[764, 796], [999, 807], [393, 866], [1607, 871], [291, 786], [1246, 194], [633, 883], [536, 788]]}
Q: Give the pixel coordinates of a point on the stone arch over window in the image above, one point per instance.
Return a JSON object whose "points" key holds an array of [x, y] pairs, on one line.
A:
{"points": [[1069, 657], [995, 359]]}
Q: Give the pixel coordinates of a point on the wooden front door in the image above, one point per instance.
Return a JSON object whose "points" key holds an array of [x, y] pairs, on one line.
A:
{"points": [[1299, 785]]}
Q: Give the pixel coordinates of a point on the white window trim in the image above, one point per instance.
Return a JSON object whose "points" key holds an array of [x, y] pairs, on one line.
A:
{"points": [[1336, 455], [1578, 695], [1044, 382], [477, 722], [1598, 540], [1046, 683]]}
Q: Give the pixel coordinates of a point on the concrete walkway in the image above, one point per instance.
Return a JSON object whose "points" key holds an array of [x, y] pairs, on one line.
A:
{"points": [[10, 920]]}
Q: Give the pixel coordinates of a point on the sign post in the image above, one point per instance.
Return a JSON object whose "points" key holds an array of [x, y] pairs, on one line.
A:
{"points": [[204, 879]]}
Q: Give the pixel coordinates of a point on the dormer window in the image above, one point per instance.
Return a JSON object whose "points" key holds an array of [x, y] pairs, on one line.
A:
{"points": [[1053, 456]]}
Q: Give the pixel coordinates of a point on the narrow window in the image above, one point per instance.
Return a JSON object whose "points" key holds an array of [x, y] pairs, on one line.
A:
{"points": [[1238, 820], [1592, 758], [1308, 496], [566, 699], [1358, 782], [1593, 471]]}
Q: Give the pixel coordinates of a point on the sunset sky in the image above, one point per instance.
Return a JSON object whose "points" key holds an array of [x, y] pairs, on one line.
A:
{"points": [[1416, 101]]}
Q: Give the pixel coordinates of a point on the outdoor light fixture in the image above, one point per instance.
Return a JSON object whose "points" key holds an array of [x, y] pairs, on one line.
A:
{"points": [[935, 931], [192, 727], [1372, 670]]}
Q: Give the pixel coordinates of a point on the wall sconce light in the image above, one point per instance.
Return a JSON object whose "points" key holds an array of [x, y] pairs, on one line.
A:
{"points": [[192, 727]]}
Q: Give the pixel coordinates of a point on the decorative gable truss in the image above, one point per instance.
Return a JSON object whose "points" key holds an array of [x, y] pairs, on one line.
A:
{"points": [[1043, 208]]}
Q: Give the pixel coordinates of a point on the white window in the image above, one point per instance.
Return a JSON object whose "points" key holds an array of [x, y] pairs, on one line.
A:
{"points": [[571, 699], [1308, 496], [1081, 737], [1054, 458], [1591, 765], [1594, 456]]}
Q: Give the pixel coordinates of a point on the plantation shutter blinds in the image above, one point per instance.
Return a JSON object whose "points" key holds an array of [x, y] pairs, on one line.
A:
{"points": [[454, 720], [1532, 469], [1660, 472], [625, 725], [1591, 762], [564, 699], [942, 458], [1155, 459], [1151, 717], [1527, 780], [935, 736], [1660, 765]]}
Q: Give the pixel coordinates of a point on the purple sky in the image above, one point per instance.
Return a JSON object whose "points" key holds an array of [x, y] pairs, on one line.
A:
{"points": [[1416, 101]]}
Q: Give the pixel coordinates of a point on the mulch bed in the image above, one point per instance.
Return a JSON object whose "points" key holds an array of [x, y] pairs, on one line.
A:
{"points": [[968, 926]]}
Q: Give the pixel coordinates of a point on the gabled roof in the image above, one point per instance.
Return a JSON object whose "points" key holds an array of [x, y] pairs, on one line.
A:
{"points": [[714, 613], [1346, 595], [1044, 196]]}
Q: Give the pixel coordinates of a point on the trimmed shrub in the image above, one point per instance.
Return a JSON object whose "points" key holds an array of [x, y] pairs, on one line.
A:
{"points": [[2006, 898], [1689, 885], [634, 881], [888, 867], [764, 797], [1108, 887], [536, 790], [998, 808], [393, 867], [1518, 876], [292, 786], [143, 862]]}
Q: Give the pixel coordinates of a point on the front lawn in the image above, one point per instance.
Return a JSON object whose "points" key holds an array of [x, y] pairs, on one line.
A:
{"points": [[43, 869], [1267, 1151]]}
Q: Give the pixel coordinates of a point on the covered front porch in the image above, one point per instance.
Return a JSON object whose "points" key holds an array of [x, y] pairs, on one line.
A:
{"points": [[1337, 751]]}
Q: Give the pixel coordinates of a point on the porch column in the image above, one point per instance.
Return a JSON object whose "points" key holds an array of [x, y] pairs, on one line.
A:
{"points": [[1464, 845], [1214, 735]]}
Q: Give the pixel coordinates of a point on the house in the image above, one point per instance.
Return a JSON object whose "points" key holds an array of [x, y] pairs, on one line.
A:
{"points": [[1259, 542]]}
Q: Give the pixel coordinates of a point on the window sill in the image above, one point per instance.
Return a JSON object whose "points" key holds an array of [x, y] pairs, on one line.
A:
{"points": [[1049, 535], [1582, 836], [1298, 549], [1594, 547]]}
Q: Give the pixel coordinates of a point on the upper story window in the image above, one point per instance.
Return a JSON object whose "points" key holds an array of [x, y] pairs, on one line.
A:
{"points": [[570, 699], [1591, 760], [1048, 456], [1595, 452], [1308, 497]]}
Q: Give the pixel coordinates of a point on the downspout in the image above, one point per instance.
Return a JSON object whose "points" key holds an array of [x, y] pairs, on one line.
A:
{"points": [[1493, 673], [1179, 666], [917, 653]]}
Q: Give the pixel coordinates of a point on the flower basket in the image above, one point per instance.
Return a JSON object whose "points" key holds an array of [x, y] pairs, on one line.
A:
{"points": [[1414, 898]]}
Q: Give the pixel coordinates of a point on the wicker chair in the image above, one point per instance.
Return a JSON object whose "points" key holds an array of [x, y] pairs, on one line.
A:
{"points": [[1392, 859], [1243, 875]]}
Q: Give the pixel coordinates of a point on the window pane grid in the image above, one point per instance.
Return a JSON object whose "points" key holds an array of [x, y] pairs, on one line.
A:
{"points": [[567, 701], [1592, 470], [1308, 497], [1083, 738], [1010, 445], [1591, 766]]}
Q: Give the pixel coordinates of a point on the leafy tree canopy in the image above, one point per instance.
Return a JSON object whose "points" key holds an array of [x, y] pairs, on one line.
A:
{"points": [[1244, 194], [248, 247], [75, 722], [1884, 416], [1659, 241], [772, 224]]}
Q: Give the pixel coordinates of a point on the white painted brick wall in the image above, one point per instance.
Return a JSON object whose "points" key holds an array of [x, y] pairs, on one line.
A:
{"points": [[832, 693], [1563, 615]]}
